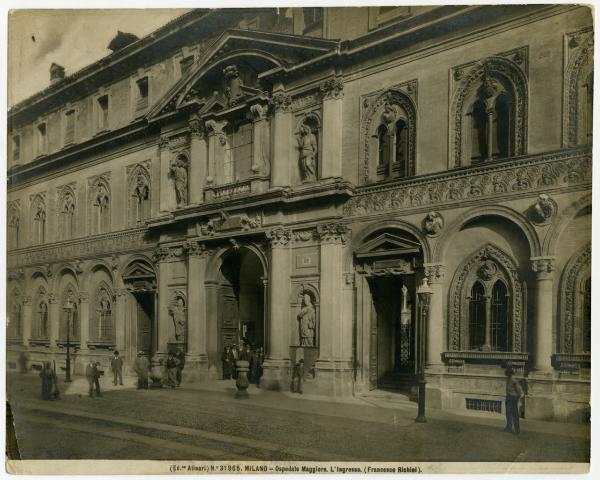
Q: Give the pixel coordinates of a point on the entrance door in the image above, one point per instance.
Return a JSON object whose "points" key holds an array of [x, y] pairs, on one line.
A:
{"points": [[145, 321], [392, 361], [229, 317]]}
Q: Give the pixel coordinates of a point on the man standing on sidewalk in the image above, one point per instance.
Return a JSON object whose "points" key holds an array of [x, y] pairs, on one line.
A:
{"points": [[116, 365], [180, 357], [514, 392], [91, 375], [141, 369]]}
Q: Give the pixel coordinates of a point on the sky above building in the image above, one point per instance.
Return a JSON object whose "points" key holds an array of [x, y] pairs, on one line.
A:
{"points": [[71, 38]]}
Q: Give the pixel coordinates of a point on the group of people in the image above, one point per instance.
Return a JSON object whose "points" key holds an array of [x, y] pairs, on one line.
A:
{"points": [[145, 374], [233, 353]]}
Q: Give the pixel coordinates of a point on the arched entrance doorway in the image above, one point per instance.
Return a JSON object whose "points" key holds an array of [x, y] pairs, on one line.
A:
{"points": [[388, 261], [241, 301]]}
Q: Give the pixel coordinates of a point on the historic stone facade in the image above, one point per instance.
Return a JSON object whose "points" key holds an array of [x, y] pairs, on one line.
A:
{"points": [[267, 184]]}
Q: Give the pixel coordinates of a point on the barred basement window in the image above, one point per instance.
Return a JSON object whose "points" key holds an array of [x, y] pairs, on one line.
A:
{"points": [[492, 406]]}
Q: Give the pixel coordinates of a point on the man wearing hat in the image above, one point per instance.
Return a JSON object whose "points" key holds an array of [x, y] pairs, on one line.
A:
{"points": [[514, 392], [141, 369], [116, 365]]}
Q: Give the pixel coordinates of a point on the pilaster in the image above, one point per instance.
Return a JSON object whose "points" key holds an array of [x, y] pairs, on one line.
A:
{"points": [[260, 146], [331, 160], [27, 317], [84, 320], [120, 319], [215, 150], [165, 193], [161, 255], [544, 302], [197, 359], [282, 133], [54, 318], [198, 160], [435, 273]]}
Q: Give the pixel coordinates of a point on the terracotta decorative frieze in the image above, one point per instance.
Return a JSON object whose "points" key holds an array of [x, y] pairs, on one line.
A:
{"points": [[332, 88], [92, 246], [526, 174]]}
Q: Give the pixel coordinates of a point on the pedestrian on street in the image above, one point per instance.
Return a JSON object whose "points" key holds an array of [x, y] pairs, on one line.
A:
{"points": [[23, 359], [180, 356], [233, 360], [226, 363], [91, 375], [514, 392], [172, 367], [252, 364], [97, 373], [259, 365], [141, 366], [116, 365], [298, 376], [48, 380]]}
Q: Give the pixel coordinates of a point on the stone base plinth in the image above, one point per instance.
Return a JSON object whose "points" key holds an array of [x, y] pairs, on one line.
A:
{"points": [[196, 369], [276, 374], [333, 378]]}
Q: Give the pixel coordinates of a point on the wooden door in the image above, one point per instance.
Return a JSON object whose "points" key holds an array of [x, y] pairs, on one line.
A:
{"points": [[228, 317], [145, 314]]}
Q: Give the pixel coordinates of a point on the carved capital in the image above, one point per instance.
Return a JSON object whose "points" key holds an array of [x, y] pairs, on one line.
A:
{"points": [[161, 254], [196, 127], [163, 141], [332, 88], [333, 233], [121, 293], [196, 248], [281, 102], [543, 267], [83, 297], [435, 272], [279, 236], [26, 300], [52, 298], [259, 112]]}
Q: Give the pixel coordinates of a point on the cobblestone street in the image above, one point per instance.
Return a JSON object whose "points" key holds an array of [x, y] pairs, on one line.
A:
{"points": [[198, 424]]}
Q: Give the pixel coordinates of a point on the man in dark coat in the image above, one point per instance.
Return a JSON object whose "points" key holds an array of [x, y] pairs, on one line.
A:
{"points": [[180, 356], [514, 392], [226, 363], [141, 369], [48, 380], [298, 377], [172, 367], [116, 365], [91, 375]]}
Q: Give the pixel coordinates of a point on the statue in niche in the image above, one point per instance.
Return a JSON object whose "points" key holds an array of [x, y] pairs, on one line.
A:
{"points": [[177, 312], [233, 91], [307, 322], [307, 144], [178, 172], [543, 209]]}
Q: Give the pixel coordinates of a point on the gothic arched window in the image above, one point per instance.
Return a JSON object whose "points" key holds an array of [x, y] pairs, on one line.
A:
{"points": [[477, 316], [139, 190], [13, 227], [39, 221], [101, 208], [104, 327], [485, 308], [67, 216]]}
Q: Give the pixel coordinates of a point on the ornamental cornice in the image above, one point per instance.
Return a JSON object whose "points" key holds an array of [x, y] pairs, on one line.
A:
{"points": [[279, 236], [333, 233], [332, 88], [528, 174]]}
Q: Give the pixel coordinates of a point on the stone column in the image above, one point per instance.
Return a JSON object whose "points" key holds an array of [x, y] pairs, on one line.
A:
{"points": [[84, 321], [198, 161], [162, 256], [215, 133], [331, 159], [333, 368], [276, 364], [54, 312], [282, 137], [165, 182], [544, 303], [260, 145], [27, 319], [197, 358], [435, 273], [120, 319]]}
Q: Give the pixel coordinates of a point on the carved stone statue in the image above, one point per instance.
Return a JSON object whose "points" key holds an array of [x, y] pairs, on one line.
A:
{"points": [[233, 91], [307, 322], [177, 312], [307, 144], [543, 209], [179, 174], [487, 270], [404, 298], [433, 223]]}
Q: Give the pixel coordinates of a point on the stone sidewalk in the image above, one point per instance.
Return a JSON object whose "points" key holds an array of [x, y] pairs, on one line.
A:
{"points": [[383, 407]]}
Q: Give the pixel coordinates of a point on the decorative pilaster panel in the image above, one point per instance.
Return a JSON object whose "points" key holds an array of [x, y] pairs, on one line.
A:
{"points": [[198, 160], [27, 319], [84, 320], [120, 318], [331, 160], [282, 133], [165, 193], [197, 332], [544, 302], [435, 273], [261, 164], [216, 142], [54, 312], [162, 255]]}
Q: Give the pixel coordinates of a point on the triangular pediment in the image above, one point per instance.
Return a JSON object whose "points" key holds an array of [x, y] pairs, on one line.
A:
{"points": [[254, 53], [388, 244], [138, 270]]}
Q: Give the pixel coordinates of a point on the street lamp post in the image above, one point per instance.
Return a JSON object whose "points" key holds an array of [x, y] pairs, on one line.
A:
{"points": [[68, 307], [424, 293]]}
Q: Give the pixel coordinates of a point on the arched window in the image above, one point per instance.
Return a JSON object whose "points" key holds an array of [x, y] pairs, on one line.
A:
{"points": [[485, 307], [13, 227], [104, 331], [101, 208], [67, 216], [139, 189], [39, 221], [477, 317], [499, 317], [489, 110]]}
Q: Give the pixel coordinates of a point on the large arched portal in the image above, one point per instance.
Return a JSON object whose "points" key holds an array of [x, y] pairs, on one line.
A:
{"points": [[388, 261], [241, 301]]}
